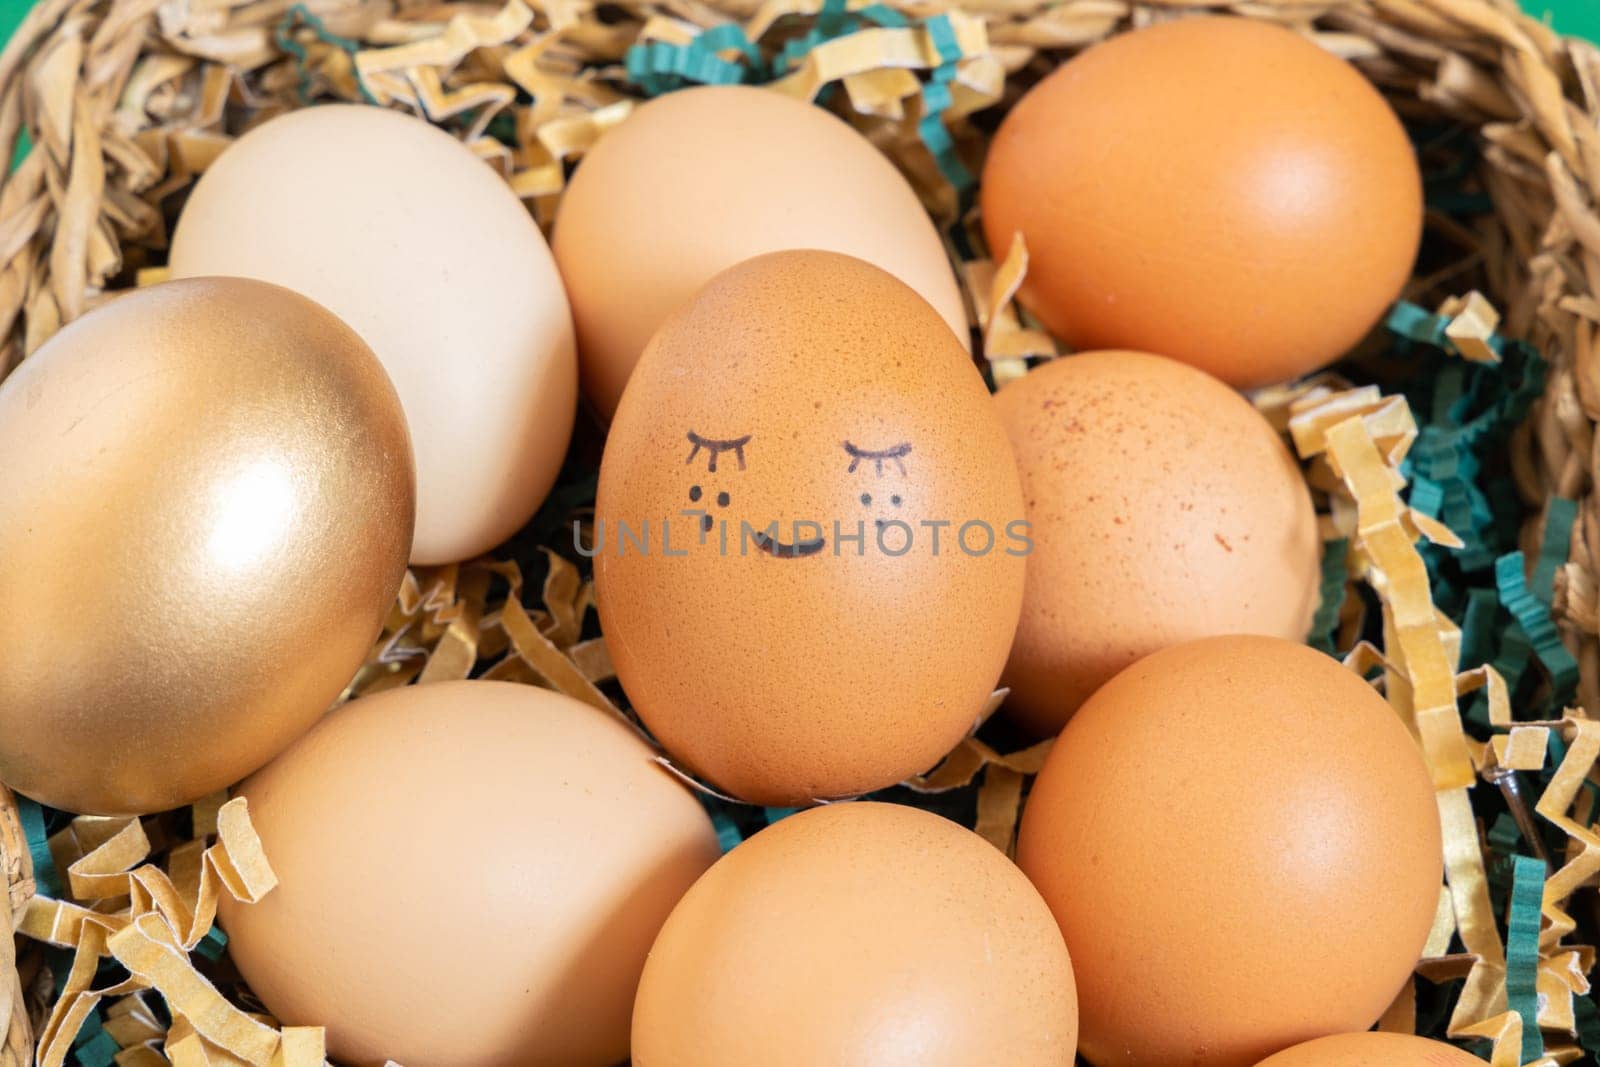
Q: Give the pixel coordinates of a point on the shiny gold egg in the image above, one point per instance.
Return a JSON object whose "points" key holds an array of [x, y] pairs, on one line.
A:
{"points": [[206, 504]]}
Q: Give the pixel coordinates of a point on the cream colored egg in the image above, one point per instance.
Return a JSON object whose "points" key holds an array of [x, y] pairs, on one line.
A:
{"points": [[470, 875], [411, 239], [699, 180]]}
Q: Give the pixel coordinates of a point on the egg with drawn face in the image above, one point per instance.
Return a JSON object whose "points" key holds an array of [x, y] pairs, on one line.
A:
{"points": [[809, 537]]}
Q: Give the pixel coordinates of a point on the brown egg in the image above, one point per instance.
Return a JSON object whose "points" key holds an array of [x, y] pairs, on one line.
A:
{"points": [[784, 608], [1163, 508], [1372, 1050], [1240, 842], [858, 934], [413, 240], [470, 873], [699, 180], [206, 501], [1219, 190]]}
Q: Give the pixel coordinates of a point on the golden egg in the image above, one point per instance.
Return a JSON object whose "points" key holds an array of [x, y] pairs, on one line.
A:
{"points": [[205, 509], [872, 934], [831, 561]]}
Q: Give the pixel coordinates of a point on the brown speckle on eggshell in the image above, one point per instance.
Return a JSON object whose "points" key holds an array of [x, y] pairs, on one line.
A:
{"points": [[1164, 508]]}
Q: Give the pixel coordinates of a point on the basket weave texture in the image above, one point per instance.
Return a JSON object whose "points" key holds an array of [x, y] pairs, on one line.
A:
{"points": [[125, 101]]}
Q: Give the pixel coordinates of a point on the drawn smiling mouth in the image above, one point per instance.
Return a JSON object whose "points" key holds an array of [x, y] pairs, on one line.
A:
{"points": [[773, 547]]}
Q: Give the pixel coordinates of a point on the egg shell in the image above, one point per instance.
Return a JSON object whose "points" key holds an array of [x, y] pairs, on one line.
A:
{"points": [[784, 678], [698, 180], [1164, 508], [858, 934], [1219, 190], [1224, 826], [206, 501], [1372, 1050], [470, 873], [414, 241]]}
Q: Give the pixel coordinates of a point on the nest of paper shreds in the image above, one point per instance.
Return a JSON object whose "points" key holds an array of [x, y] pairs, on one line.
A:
{"points": [[1450, 455]]}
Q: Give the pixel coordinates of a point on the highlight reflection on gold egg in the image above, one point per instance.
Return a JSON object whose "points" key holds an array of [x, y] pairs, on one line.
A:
{"points": [[206, 505]]}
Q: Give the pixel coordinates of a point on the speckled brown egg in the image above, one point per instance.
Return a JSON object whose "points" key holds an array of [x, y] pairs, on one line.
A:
{"points": [[809, 563], [470, 875], [1220, 190], [1163, 507], [858, 934], [1372, 1050], [1240, 841]]}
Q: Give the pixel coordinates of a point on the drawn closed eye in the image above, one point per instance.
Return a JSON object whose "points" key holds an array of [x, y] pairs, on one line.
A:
{"points": [[878, 456], [713, 447]]}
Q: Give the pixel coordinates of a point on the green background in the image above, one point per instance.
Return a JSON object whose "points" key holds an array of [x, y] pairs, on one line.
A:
{"points": [[1578, 17]]}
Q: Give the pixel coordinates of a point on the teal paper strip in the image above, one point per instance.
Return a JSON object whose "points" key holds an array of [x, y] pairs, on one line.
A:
{"points": [[45, 875], [91, 1028], [1556, 546], [728, 35], [658, 67], [283, 36], [214, 944], [883, 15], [1534, 618], [1587, 1016], [1522, 952], [1335, 572], [1477, 627], [936, 135], [1503, 839], [728, 836], [1415, 324], [100, 1050]]}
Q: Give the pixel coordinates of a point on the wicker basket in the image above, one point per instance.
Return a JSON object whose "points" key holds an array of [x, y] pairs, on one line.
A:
{"points": [[124, 101]]}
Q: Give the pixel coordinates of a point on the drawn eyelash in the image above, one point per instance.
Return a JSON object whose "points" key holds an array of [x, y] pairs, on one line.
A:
{"points": [[715, 448], [878, 457]]}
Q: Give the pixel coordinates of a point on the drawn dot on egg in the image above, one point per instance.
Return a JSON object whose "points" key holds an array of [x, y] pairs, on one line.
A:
{"points": [[722, 500], [819, 322], [694, 492]]}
